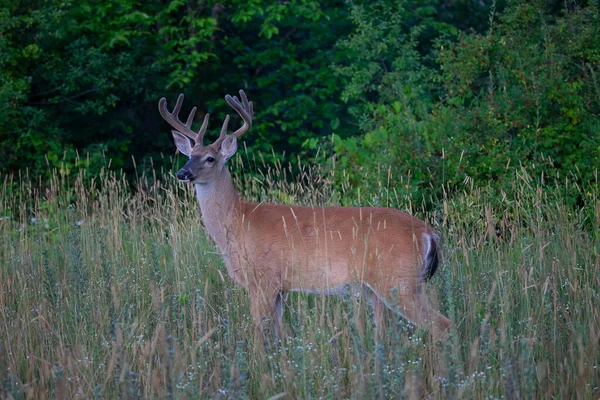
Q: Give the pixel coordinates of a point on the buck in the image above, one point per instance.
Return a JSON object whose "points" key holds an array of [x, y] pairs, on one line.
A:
{"points": [[272, 249]]}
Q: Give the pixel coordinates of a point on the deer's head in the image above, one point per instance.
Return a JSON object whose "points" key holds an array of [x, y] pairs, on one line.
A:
{"points": [[206, 162]]}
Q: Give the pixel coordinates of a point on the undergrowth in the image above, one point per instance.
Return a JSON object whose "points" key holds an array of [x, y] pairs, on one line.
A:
{"points": [[107, 292]]}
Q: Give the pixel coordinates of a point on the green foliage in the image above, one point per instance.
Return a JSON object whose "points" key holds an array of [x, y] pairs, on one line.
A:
{"points": [[290, 71], [66, 89], [525, 92], [395, 92], [431, 92], [86, 76]]}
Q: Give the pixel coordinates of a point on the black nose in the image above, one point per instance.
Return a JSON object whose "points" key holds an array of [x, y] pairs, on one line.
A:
{"points": [[184, 175]]}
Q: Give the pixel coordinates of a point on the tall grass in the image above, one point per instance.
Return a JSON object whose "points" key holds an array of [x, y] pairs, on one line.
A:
{"points": [[111, 292]]}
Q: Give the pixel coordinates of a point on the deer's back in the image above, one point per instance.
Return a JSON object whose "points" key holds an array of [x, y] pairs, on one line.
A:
{"points": [[330, 246]]}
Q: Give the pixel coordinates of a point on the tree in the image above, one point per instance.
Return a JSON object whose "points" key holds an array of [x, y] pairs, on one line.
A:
{"points": [[87, 76], [525, 91]]}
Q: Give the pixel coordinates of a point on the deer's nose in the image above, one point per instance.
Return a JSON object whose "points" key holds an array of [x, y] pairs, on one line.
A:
{"points": [[184, 175]]}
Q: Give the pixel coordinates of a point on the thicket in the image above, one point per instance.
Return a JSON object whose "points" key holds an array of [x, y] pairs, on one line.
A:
{"points": [[87, 76], [416, 93], [525, 92]]}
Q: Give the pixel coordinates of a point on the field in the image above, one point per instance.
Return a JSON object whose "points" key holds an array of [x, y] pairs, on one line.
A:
{"points": [[110, 289]]}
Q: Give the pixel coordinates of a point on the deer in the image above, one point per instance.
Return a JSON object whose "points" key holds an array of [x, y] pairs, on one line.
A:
{"points": [[274, 249]]}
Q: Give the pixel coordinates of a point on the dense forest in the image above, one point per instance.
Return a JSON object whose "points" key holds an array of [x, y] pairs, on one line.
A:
{"points": [[434, 91]]}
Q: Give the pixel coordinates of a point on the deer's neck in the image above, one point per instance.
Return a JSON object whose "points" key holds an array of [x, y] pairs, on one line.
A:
{"points": [[220, 204]]}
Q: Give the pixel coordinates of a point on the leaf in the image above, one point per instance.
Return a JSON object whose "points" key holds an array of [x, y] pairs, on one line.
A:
{"points": [[334, 123]]}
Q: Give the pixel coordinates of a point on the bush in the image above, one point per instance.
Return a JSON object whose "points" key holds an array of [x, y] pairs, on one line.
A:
{"points": [[525, 92]]}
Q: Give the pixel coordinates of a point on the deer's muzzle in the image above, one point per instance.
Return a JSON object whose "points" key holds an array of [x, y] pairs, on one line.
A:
{"points": [[184, 175]]}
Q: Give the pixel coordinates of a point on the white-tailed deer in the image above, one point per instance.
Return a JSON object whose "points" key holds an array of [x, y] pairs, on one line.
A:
{"points": [[272, 249]]}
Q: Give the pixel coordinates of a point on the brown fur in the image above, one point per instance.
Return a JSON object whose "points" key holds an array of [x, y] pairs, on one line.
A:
{"points": [[319, 249], [273, 249]]}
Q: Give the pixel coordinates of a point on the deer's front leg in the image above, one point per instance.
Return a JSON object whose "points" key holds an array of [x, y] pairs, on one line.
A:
{"points": [[263, 304]]}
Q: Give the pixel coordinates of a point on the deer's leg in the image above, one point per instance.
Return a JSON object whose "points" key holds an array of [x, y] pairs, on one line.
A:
{"points": [[411, 302], [279, 304], [263, 307], [441, 324], [379, 309], [418, 310]]}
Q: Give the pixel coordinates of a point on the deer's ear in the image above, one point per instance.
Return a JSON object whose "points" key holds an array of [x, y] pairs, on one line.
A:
{"points": [[183, 143], [228, 147]]}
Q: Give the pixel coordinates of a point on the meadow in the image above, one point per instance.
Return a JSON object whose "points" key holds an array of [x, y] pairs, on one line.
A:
{"points": [[111, 289]]}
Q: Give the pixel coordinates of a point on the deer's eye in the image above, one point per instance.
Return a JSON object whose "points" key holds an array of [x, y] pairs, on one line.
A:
{"points": [[210, 160]]}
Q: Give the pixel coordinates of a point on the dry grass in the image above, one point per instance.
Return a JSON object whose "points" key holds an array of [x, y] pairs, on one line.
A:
{"points": [[109, 292]]}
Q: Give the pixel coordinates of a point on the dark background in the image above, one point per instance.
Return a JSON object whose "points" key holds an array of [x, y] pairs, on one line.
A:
{"points": [[434, 90]]}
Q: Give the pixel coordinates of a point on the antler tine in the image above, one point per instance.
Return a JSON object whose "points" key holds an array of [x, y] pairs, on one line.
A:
{"points": [[173, 119], [224, 128], [178, 104], [223, 134], [202, 131], [245, 109], [190, 118]]}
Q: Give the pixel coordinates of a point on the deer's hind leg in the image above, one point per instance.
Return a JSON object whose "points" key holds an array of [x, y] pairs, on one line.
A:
{"points": [[415, 307], [278, 323], [380, 310], [407, 299]]}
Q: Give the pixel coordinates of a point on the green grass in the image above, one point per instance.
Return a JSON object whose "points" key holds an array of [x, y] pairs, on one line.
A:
{"points": [[110, 292]]}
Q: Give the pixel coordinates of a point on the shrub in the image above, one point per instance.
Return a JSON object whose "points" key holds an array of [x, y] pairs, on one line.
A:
{"points": [[524, 92]]}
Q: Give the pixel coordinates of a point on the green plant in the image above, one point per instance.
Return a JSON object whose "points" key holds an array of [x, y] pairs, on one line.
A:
{"points": [[523, 93], [105, 292]]}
